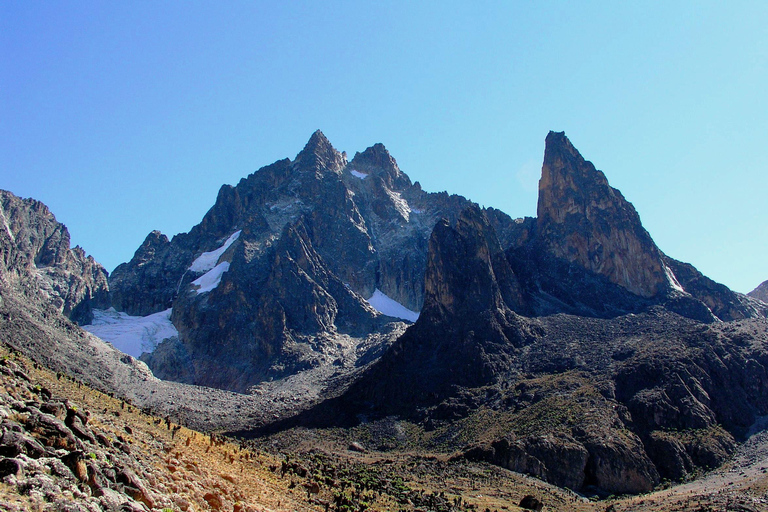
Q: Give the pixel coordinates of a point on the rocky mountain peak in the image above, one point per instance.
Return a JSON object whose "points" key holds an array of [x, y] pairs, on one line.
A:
{"points": [[320, 155], [377, 160], [583, 220], [152, 243], [761, 292], [35, 248]]}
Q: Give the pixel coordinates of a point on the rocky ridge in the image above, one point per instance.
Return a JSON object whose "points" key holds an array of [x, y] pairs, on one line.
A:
{"points": [[36, 257]]}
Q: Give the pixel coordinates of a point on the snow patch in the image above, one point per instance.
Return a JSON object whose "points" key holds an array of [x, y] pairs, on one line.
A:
{"points": [[391, 307], [208, 260], [358, 174], [401, 205], [672, 279], [211, 279], [132, 334], [6, 226]]}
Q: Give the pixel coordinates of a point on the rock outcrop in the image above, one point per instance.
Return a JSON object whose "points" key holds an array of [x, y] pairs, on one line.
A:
{"points": [[583, 220], [35, 256], [761, 292], [467, 333], [587, 252]]}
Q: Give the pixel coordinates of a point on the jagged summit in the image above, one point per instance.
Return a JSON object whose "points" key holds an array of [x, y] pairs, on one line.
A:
{"points": [[582, 219], [319, 155], [467, 272], [376, 159]]}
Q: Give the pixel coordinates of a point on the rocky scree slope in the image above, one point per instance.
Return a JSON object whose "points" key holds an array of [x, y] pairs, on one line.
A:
{"points": [[66, 447], [36, 258]]}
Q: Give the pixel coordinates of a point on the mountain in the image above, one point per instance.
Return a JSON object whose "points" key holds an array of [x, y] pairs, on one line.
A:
{"points": [[761, 292], [587, 252], [566, 346], [281, 267], [284, 262], [577, 354]]}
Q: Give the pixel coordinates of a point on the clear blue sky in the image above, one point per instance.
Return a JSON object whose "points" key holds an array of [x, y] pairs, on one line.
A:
{"points": [[126, 117]]}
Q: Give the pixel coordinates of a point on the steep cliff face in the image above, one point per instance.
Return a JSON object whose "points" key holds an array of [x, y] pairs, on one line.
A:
{"points": [[154, 270], [35, 255], [584, 220], [272, 313], [587, 252]]}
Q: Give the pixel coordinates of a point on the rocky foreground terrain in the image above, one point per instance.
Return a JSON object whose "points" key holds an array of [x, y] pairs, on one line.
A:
{"points": [[67, 447]]}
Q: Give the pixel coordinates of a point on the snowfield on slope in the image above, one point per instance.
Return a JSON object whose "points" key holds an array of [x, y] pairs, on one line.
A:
{"points": [[132, 334], [211, 279], [208, 260], [390, 307]]}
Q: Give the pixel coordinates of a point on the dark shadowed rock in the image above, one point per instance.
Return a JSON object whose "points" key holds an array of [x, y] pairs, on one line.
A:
{"points": [[9, 466], [531, 503], [466, 334]]}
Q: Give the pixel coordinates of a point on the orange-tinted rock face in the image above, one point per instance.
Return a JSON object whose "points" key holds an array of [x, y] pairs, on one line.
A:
{"points": [[583, 220]]}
